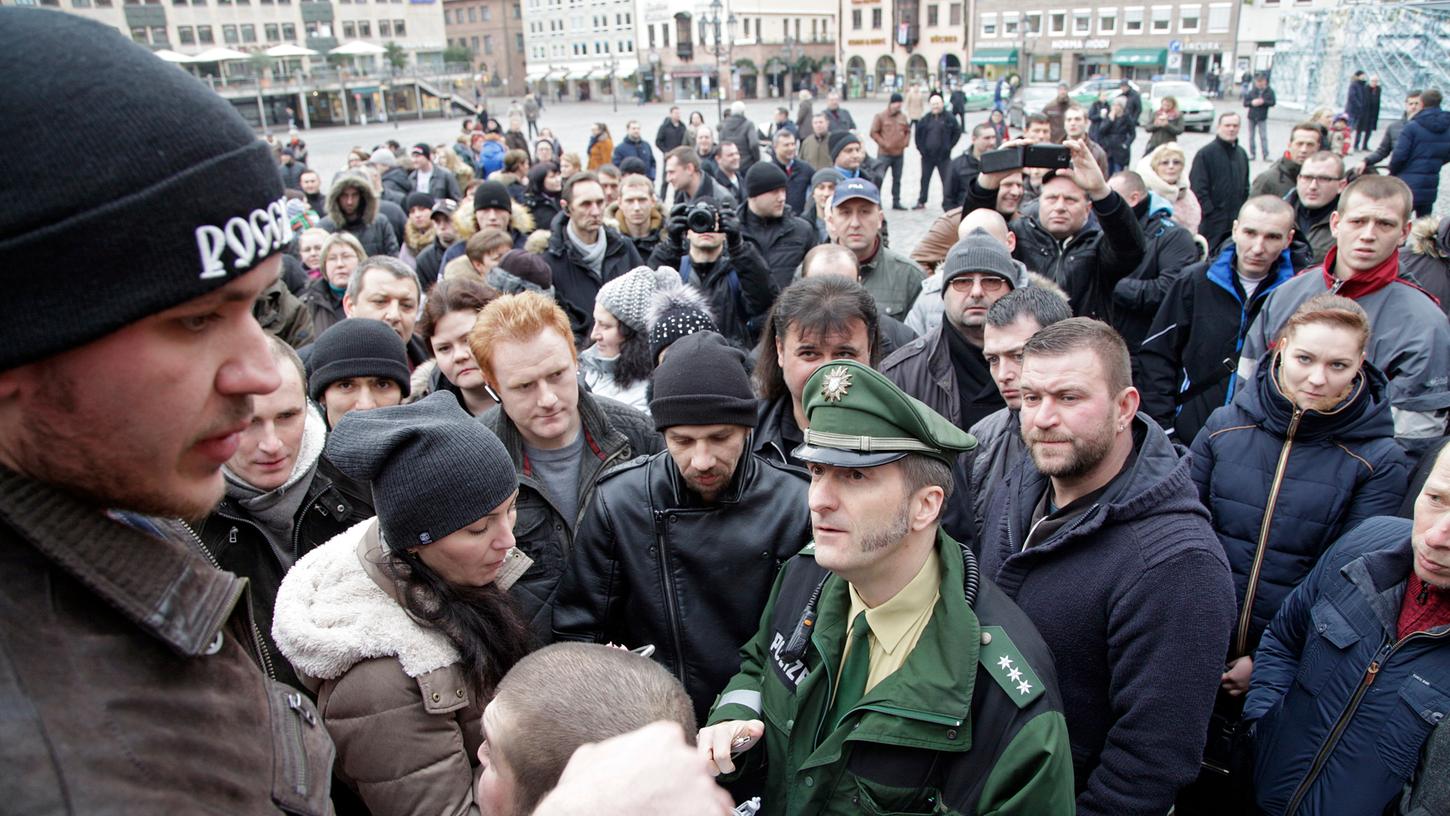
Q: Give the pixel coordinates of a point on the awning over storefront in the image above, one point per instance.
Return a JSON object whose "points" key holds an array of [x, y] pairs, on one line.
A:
{"points": [[537, 74], [1140, 56], [994, 56]]}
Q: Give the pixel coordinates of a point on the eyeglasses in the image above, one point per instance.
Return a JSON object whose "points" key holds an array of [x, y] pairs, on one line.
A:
{"points": [[989, 283], [1320, 179]]}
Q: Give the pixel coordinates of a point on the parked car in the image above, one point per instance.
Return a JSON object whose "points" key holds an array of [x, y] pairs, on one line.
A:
{"points": [[979, 94], [1198, 111], [1087, 92]]}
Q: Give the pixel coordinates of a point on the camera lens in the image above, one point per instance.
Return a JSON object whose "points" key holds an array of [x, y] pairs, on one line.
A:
{"points": [[702, 218]]}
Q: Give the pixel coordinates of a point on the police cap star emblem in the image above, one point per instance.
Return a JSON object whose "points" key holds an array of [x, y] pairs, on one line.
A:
{"points": [[835, 384]]}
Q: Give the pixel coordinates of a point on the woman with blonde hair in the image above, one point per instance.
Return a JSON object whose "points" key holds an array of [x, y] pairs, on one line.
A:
{"points": [[1165, 171], [1167, 125], [341, 256]]}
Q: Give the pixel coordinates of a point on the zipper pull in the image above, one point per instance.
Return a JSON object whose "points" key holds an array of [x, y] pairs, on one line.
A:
{"points": [[1372, 672], [232, 536]]}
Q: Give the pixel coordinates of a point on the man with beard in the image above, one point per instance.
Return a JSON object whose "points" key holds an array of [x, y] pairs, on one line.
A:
{"points": [[1102, 539], [882, 660], [719, 504], [132, 674]]}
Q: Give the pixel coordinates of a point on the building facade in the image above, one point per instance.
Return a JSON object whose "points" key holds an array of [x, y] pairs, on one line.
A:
{"points": [[888, 43], [580, 50], [1058, 41], [764, 50], [493, 33]]}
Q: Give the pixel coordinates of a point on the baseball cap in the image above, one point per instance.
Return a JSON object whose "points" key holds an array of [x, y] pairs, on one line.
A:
{"points": [[856, 188]]}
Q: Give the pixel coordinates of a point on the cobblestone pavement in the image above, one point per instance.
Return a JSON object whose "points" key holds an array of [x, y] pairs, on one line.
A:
{"points": [[570, 122]]}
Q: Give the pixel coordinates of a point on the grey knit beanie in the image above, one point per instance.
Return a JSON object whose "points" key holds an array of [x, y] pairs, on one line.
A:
{"points": [[628, 296], [193, 203], [433, 468], [980, 253]]}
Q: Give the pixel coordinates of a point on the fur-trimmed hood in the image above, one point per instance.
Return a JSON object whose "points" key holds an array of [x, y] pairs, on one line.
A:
{"points": [[521, 221], [1430, 236], [369, 200], [332, 614], [656, 218]]}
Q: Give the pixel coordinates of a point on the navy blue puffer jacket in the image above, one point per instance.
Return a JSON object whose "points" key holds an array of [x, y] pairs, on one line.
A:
{"points": [[1423, 146], [1282, 484]]}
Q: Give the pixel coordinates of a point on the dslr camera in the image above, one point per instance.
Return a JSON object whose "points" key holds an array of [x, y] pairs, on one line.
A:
{"points": [[702, 216]]}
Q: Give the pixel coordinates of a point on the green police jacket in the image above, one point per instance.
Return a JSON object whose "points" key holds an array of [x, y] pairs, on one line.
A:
{"points": [[970, 724]]}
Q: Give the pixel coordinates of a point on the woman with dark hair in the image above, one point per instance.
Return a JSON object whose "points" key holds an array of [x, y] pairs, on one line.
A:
{"points": [[618, 363], [402, 625], [542, 196], [814, 320], [1301, 455], [998, 121], [449, 312]]}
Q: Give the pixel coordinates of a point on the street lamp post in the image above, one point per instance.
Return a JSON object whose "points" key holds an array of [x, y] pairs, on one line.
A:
{"points": [[788, 88], [613, 83], [713, 19]]}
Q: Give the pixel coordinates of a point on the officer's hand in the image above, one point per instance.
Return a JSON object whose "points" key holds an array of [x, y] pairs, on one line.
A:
{"points": [[717, 742], [1235, 681], [648, 772]]}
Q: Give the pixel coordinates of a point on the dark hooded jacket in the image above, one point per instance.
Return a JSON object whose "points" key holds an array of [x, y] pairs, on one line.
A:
{"points": [[1170, 250], [324, 306], [1312, 694], [649, 557], [543, 205], [281, 313], [782, 242], [1282, 484], [798, 185], [644, 244], [370, 228], [1425, 260], [575, 283], [1135, 601], [1186, 364], [1421, 150]]}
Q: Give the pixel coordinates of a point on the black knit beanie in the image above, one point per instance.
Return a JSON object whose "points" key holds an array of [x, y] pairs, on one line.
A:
{"points": [[356, 347], [492, 195], [193, 203], [763, 177], [840, 139], [676, 312], [416, 199], [702, 382], [433, 468]]}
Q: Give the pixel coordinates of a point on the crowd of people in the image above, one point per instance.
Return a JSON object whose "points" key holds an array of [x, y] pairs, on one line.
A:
{"points": [[494, 478]]}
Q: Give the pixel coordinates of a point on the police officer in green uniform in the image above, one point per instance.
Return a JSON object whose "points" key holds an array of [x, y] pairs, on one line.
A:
{"points": [[889, 676]]}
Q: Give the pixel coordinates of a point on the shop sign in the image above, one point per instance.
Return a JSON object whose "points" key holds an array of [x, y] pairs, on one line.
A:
{"points": [[1079, 45], [943, 38], [1203, 46], [873, 41]]}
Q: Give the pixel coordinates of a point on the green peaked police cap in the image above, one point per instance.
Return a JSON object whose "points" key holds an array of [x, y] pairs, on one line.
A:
{"points": [[858, 418]]}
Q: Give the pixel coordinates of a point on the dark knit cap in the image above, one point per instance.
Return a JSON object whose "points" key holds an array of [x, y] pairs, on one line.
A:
{"points": [[676, 312], [195, 203], [702, 382], [492, 195], [356, 347], [528, 266], [980, 253], [840, 139], [764, 177], [896, 97], [433, 468], [826, 175], [417, 200], [633, 165]]}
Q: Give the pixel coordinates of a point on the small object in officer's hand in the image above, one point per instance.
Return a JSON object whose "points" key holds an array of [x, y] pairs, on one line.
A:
{"points": [[749, 808]]}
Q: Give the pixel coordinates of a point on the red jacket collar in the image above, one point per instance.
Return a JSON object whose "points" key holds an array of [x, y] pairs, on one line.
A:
{"points": [[1362, 283]]}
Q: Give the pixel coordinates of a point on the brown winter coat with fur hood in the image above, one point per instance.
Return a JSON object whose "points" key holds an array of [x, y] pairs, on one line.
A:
{"points": [[1425, 258], [370, 229]]}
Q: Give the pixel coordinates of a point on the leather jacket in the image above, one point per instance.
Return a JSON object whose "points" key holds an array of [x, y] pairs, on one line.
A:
{"points": [[650, 559], [130, 674]]}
